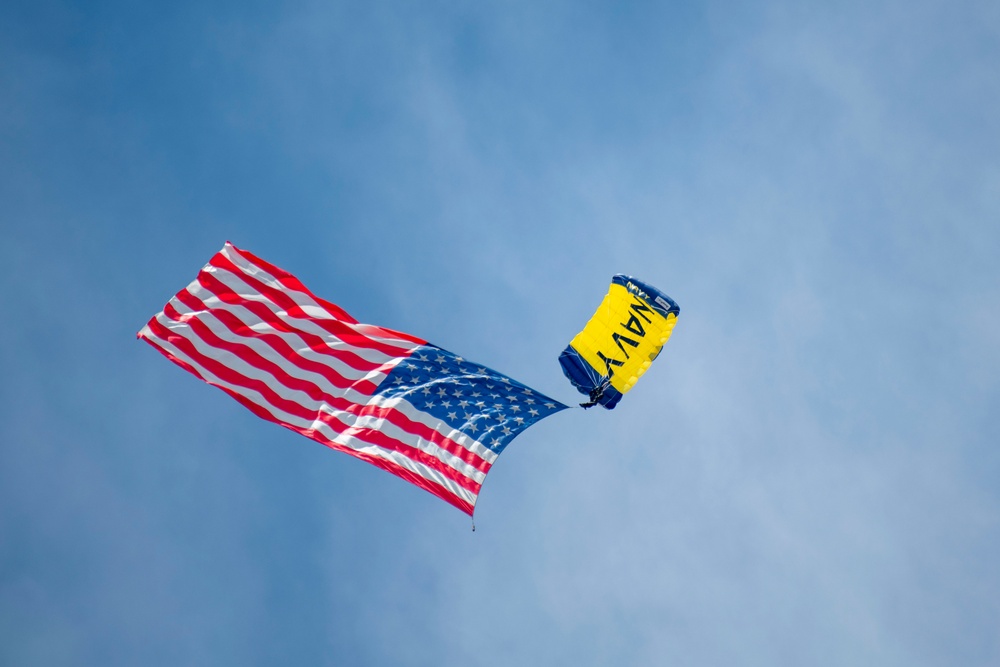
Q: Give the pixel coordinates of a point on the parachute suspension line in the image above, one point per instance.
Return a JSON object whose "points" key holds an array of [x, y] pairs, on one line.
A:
{"points": [[596, 393]]}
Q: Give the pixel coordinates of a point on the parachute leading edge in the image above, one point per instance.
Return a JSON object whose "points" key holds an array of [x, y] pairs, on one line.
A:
{"points": [[620, 341]]}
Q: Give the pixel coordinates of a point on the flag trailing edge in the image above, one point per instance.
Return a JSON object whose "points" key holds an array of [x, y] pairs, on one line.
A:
{"points": [[394, 400]]}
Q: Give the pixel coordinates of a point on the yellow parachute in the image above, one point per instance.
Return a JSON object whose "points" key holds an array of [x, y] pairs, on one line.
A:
{"points": [[620, 341]]}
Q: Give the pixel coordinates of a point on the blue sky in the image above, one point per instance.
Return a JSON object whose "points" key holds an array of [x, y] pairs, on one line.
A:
{"points": [[809, 474]]}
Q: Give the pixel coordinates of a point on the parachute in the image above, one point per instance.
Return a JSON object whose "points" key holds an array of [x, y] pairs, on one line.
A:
{"points": [[620, 341]]}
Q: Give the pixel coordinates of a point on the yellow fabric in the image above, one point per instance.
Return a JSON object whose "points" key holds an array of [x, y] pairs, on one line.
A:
{"points": [[628, 333]]}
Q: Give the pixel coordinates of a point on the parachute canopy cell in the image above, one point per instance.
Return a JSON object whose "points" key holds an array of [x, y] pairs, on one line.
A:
{"points": [[620, 341]]}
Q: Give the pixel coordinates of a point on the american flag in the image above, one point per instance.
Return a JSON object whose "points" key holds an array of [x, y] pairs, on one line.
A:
{"points": [[422, 413]]}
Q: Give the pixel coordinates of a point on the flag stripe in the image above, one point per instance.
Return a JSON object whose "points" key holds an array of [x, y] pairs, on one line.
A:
{"points": [[293, 348], [251, 262], [341, 330], [267, 363], [216, 294], [232, 290], [287, 288]]}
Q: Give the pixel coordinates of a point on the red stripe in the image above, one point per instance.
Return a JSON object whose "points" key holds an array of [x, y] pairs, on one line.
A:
{"points": [[397, 418], [292, 283], [340, 329], [225, 294], [170, 355], [274, 341], [288, 406], [258, 410], [255, 359], [227, 374], [431, 486], [375, 330], [377, 437]]}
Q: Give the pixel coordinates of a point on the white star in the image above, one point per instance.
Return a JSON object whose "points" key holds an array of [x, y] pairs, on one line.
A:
{"points": [[459, 360], [529, 400], [515, 408], [469, 416], [550, 405], [446, 404], [480, 404], [441, 359], [422, 357], [463, 404], [519, 420], [476, 394], [427, 390], [527, 391], [496, 441], [452, 416], [472, 427], [505, 380], [506, 431], [533, 412], [498, 406], [442, 392], [512, 399], [430, 404], [456, 393], [398, 381]]}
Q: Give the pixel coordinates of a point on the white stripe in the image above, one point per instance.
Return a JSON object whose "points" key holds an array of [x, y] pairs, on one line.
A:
{"points": [[400, 434], [246, 292], [403, 406], [306, 300], [374, 332], [236, 364], [301, 298], [256, 327], [346, 439]]}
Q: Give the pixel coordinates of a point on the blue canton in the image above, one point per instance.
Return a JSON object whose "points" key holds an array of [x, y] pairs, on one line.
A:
{"points": [[483, 404]]}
